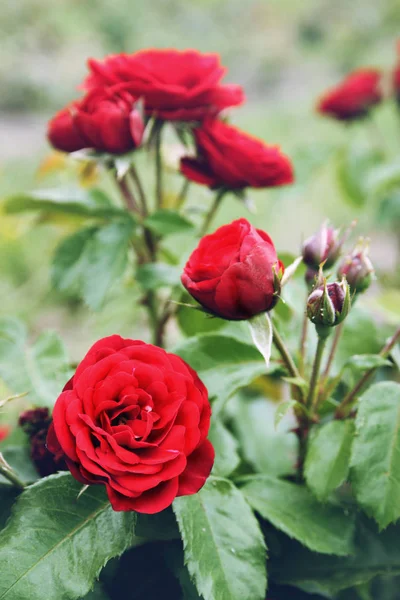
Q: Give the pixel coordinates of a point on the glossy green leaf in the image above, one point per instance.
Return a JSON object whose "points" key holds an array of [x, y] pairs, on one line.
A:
{"points": [[54, 544], [73, 202], [92, 260], [375, 460], [226, 449], [374, 554], [328, 457], [363, 362], [293, 509], [168, 222], [41, 369], [266, 449], [155, 275], [223, 545], [225, 364]]}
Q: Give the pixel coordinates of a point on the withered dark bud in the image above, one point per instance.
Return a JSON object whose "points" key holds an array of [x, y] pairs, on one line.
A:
{"points": [[35, 423], [357, 268]]}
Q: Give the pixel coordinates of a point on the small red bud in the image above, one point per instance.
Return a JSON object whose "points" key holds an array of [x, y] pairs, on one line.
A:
{"points": [[357, 268], [322, 247]]}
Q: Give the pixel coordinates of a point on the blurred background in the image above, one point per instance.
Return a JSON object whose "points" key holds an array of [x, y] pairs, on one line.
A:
{"points": [[284, 53]]}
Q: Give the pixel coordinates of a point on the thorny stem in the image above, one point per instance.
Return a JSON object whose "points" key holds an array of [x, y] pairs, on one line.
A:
{"points": [[286, 357], [142, 196], [348, 399], [182, 194], [303, 342], [312, 399], [212, 212], [329, 362]]}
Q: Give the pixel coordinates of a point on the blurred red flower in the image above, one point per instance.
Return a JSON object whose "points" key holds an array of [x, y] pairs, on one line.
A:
{"points": [[228, 157], [353, 97], [104, 120], [175, 85]]}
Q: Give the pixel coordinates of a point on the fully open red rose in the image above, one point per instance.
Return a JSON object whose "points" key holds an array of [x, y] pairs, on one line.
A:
{"points": [[354, 97], [135, 419], [175, 85], [228, 157], [231, 272], [104, 120]]}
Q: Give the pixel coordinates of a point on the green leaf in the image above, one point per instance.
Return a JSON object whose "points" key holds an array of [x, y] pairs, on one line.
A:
{"points": [[223, 363], [223, 545], [155, 275], [328, 457], [98, 593], [193, 322], [283, 408], [293, 509], [225, 445], [92, 260], [168, 222], [56, 544], [374, 554], [41, 369], [73, 202], [266, 449], [261, 334], [364, 362], [375, 460]]}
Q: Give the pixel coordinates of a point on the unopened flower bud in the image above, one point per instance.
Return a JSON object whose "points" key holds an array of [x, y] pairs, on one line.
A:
{"points": [[322, 247], [358, 269], [329, 304]]}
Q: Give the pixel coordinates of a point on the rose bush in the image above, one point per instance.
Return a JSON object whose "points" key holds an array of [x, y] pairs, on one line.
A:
{"points": [[234, 272], [104, 120], [175, 85], [230, 158], [134, 419]]}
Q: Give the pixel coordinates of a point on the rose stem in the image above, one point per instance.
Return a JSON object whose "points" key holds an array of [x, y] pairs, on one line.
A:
{"points": [[303, 342], [312, 399], [329, 362], [148, 236], [348, 399], [9, 474], [212, 212], [182, 194], [127, 194], [159, 173], [286, 357]]}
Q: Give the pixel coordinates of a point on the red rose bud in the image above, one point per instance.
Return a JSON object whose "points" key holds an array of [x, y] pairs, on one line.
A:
{"points": [[354, 97], [357, 269], [234, 273], [104, 120], [322, 247], [229, 158], [329, 304], [135, 419], [36, 423], [175, 85]]}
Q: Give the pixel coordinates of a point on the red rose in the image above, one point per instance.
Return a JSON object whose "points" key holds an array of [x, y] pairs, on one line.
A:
{"points": [[228, 157], [135, 419], [103, 120], [175, 85], [233, 272], [352, 98]]}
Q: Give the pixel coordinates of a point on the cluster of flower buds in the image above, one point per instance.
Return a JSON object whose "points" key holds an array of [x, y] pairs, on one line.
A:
{"points": [[357, 268], [322, 249], [328, 304]]}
